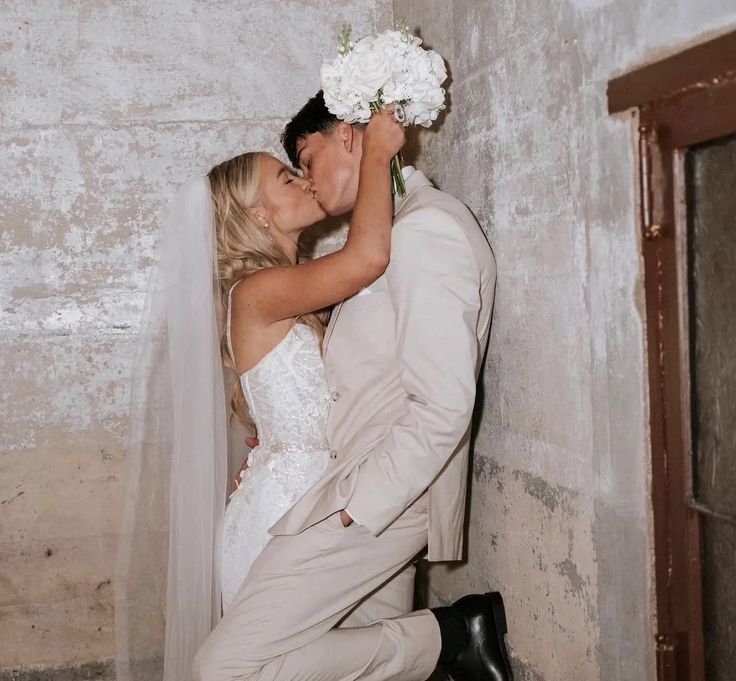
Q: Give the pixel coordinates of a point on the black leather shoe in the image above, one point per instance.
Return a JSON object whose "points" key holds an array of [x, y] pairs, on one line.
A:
{"points": [[485, 657]]}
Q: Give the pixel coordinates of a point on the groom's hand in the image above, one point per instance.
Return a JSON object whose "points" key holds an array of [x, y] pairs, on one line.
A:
{"points": [[346, 519], [239, 477], [384, 135]]}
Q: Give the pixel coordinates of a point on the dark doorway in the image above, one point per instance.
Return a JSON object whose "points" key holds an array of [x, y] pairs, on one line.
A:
{"points": [[711, 212], [687, 181]]}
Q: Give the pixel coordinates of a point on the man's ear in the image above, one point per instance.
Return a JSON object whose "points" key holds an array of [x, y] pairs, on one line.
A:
{"points": [[347, 135]]}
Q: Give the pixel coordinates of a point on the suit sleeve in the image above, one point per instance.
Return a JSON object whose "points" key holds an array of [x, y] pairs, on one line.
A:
{"points": [[434, 284]]}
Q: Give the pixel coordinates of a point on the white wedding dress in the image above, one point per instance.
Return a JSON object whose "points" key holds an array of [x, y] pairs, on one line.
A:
{"points": [[289, 401]]}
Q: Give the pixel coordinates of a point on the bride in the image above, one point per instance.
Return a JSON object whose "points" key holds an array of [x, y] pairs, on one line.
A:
{"points": [[234, 233]]}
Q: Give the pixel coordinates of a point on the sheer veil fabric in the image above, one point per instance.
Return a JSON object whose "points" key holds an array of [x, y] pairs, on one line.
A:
{"points": [[167, 592]]}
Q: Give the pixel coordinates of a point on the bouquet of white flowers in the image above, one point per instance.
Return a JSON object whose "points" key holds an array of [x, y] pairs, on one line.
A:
{"points": [[386, 68]]}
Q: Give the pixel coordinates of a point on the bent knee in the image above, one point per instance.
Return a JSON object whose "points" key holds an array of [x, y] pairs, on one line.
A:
{"points": [[208, 665], [213, 663], [203, 665]]}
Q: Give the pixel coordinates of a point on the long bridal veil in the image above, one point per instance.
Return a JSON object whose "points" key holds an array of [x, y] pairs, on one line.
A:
{"points": [[167, 593]]}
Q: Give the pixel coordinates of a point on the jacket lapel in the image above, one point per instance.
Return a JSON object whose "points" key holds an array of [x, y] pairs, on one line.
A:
{"points": [[331, 325]]}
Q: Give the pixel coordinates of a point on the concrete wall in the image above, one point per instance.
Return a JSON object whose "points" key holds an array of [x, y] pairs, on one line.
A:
{"points": [[559, 512], [105, 108]]}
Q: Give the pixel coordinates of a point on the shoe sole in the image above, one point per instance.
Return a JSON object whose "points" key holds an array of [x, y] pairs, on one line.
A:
{"points": [[499, 619]]}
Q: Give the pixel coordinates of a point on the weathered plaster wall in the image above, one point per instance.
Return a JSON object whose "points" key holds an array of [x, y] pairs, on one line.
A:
{"points": [[559, 512], [105, 108]]}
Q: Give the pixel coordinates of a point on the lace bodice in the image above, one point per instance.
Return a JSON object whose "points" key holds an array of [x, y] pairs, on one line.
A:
{"points": [[287, 394]]}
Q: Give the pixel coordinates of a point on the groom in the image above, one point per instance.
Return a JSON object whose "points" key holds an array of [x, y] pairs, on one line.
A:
{"points": [[329, 597]]}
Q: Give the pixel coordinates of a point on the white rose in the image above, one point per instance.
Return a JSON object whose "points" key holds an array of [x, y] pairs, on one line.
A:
{"points": [[435, 98], [362, 113], [438, 66], [390, 40], [416, 114], [419, 68], [391, 36], [426, 110], [370, 72], [399, 87], [331, 78], [396, 90], [398, 37], [419, 90], [400, 67], [338, 107]]}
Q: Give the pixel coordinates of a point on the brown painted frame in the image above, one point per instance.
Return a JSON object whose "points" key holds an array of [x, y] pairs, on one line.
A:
{"points": [[684, 100]]}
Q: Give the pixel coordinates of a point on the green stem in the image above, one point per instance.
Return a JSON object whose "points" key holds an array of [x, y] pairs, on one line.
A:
{"points": [[396, 175]]}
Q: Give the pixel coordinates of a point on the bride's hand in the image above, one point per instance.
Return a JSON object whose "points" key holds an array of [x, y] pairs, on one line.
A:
{"points": [[384, 136]]}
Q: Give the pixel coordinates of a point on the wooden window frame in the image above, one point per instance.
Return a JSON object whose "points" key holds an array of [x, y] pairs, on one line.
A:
{"points": [[685, 100]]}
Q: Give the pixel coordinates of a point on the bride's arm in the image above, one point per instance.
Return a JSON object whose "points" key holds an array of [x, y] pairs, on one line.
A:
{"points": [[277, 293]]}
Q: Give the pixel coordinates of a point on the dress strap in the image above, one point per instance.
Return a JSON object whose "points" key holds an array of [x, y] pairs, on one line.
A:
{"points": [[229, 319]]}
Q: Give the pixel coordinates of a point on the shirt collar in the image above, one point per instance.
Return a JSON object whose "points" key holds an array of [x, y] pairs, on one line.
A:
{"points": [[407, 172], [414, 179]]}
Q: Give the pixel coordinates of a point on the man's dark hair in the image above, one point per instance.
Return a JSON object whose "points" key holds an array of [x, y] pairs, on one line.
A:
{"points": [[312, 117]]}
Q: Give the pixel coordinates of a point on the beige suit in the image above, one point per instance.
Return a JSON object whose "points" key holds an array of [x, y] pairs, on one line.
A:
{"points": [[402, 359]]}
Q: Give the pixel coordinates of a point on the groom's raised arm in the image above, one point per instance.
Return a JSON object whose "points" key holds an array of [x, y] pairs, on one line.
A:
{"points": [[434, 283]]}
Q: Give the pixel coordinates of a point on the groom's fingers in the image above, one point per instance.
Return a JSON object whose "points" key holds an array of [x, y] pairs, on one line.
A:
{"points": [[239, 477], [386, 110], [251, 443]]}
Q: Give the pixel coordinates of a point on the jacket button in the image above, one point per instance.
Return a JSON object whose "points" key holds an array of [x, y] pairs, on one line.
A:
{"points": [[333, 454]]}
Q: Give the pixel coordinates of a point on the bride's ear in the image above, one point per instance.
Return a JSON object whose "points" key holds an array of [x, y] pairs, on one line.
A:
{"points": [[260, 216]]}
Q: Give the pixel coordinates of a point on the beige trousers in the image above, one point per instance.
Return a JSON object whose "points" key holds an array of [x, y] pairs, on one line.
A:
{"points": [[329, 604]]}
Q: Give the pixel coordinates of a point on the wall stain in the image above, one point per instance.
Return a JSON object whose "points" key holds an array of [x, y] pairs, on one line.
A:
{"points": [[550, 496], [486, 467], [569, 570]]}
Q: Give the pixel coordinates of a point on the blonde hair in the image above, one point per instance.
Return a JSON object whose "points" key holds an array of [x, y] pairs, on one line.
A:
{"points": [[243, 246]]}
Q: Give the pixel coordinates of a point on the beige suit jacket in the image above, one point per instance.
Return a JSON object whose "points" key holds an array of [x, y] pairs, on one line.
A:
{"points": [[402, 360]]}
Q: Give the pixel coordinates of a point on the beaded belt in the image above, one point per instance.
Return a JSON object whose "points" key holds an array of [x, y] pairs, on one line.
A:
{"points": [[278, 446]]}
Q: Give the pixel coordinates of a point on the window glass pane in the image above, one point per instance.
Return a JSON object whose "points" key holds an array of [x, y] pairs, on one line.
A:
{"points": [[711, 185]]}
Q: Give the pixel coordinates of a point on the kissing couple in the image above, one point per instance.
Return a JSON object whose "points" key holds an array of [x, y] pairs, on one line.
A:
{"points": [[307, 573]]}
